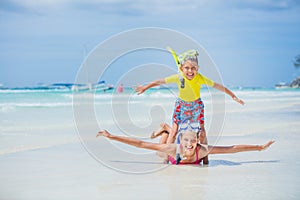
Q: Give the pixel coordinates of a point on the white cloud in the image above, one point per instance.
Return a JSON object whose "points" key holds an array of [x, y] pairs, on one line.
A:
{"points": [[266, 5], [142, 6], [269, 3], [40, 4], [152, 6]]}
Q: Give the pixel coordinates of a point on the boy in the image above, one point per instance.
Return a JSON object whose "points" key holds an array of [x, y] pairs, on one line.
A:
{"points": [[188, 104]]}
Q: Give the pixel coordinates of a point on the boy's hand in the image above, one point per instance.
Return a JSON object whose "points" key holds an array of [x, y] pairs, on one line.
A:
{"points": [[238, 100], [139, 89]]}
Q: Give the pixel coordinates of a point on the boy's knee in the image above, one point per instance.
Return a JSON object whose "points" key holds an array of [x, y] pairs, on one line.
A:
{"points": [[202, 134], [202, 137]]}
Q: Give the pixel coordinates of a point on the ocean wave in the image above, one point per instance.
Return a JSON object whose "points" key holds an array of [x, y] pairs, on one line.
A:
{"points": [[30, 90], [272, 93], [9, 103], [12, 106], [120, 96]]}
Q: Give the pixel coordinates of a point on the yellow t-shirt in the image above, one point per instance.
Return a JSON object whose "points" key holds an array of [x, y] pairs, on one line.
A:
{"points": [[191, 91]]}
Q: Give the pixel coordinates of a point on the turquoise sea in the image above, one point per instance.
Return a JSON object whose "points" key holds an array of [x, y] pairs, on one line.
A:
{"points": [[33, 118], [48, 145]]}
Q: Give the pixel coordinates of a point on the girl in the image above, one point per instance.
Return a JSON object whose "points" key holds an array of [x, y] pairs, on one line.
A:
{"points": [[190, 151]]}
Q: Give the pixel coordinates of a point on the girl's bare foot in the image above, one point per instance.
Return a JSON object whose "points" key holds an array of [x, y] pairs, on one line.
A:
{"points": [[161, 130]]}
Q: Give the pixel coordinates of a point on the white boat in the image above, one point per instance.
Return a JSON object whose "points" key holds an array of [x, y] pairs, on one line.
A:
{"points": [[100, 86], [81, 87], [282, 85]]}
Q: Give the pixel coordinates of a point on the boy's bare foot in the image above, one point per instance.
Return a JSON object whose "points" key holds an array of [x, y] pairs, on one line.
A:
{"points": [[160, 131]]}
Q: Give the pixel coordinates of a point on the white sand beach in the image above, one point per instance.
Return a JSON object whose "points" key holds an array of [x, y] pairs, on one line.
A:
{"points": [[52, 163]]}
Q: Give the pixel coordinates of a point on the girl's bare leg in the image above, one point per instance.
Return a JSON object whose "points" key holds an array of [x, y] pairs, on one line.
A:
{"points": [[164, 131], [172, 134], [163, 128], [238, 148], [203, 140], [163, 140], [202, 136]]}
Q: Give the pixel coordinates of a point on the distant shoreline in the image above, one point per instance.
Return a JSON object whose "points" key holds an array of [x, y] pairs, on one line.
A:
{"points": [[129, 89]]}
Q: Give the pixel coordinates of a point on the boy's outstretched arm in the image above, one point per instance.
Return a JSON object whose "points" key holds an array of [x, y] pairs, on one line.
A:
{"points": [[220, 87], [141, 88]]}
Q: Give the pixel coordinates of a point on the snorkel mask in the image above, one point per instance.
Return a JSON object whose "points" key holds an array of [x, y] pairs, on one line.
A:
{"points": [[190, 55]]}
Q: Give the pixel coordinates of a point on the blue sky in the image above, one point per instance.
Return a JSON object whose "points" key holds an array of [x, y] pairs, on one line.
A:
{"points": [[252, 42]]}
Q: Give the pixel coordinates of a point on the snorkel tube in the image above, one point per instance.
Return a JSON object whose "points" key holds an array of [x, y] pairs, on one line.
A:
{"points": [[175, 57], [178, 66]]}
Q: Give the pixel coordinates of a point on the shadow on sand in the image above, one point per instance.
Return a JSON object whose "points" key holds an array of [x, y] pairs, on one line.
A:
{"points": [[215, 163], [212, 163]]}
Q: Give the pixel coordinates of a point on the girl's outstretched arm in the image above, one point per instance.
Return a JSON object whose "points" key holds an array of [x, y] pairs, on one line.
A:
{"points": [[238, 148], [137, 143], [222, 88], [140, 89]]}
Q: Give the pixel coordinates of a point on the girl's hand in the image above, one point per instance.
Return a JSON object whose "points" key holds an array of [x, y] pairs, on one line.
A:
{"points": [[104, 133], [267, 145], [238, 100]]}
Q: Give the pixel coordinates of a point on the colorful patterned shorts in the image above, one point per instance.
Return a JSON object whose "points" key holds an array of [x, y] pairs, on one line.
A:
{"points": [[194, 111]]}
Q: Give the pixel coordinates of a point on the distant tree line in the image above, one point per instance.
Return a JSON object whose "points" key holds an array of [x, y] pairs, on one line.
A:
{"points": [[296, 61], [296, 83]]}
